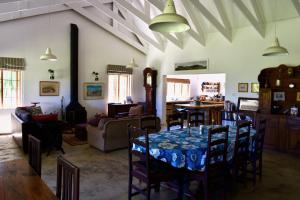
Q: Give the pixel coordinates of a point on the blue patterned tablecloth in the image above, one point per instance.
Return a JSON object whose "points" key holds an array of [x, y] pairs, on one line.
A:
{"points": [[184, 147]]}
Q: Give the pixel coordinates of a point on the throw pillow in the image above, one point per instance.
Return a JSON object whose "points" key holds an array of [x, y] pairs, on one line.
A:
{"points": [[44, 118], [136, 110], [34, 110], [94, 121], [103, 121]]}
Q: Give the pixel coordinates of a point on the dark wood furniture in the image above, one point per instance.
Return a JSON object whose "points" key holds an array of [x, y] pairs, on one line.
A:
{"points": [[150, 76], [195, 118], [276, 97], [67, 180], [149, 123], [170, 105], [241, 151], [115, 108], [255, 156], [175, 120], [215, 172], [81, 132], [19, 181], [35, 154], [143, 167]]}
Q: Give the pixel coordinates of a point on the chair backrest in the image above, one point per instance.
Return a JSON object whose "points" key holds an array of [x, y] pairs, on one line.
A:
{"points": [[241, 147], [246, 116], [149, 123], [216, 155], [134, 135], [260, 135], [195, 118], [34, 154], [175, 119], [67, 180]]}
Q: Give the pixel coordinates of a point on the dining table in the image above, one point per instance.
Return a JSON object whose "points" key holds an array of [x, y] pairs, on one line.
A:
{"points": [[186, 148], [19, 181]]}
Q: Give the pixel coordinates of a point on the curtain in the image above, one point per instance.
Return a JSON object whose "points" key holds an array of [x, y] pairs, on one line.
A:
{"points": [[119, 87]]}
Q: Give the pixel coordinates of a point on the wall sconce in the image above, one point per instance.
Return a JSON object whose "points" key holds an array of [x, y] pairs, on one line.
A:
{"points": [[96, 75], [51, 72]]}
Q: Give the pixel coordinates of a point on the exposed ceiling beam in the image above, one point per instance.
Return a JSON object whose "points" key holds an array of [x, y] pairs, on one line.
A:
{"points": [[258, 23], [85, 13], [19, 14], [146, 19], [213, 20], [297, 5], [199, 35], [125, 23], [220, 7]]}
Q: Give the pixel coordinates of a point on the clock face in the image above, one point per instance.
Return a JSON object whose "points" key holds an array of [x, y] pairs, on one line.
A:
{"points": [[149, 79]]}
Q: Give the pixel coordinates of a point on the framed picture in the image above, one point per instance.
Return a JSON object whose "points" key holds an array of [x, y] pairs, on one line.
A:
{"points": [[93, 91], [255, 87], [248, 104], [243, 87], [279, 96], [197, 65], [49, 88], [298, 96]]}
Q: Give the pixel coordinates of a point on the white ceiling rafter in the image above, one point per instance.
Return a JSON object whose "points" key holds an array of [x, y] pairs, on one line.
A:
{"points": [[297, 5], [220, 7], [142, 16], [259, 22], [146, 19], [84, 12], [124, 23], [225, 31], [199, 35], [35, 11]]}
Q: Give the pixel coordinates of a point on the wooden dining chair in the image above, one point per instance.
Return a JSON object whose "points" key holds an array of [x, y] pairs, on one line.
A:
{"points": [[149, 123], [255, 155], [67, 180], [143, 167], [175, 120], [195, 118], [214, 173], [34, 154], [241, 151]]}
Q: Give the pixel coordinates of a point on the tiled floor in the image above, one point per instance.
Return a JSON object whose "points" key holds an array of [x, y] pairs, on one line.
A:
{"points": [[105, 176]]}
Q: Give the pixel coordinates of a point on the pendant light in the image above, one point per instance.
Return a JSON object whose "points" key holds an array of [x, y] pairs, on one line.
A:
{"points": [[275, 49], [132, 64], [48, 55], [169, 21]]}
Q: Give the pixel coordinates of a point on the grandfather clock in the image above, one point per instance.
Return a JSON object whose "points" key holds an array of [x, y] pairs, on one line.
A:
{"points": [[150, 87]]}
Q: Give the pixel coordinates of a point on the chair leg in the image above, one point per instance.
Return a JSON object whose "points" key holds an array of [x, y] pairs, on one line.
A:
{"points": [[254, 172], [148, 191], [130, 187], [260, 168], [157, 187]]}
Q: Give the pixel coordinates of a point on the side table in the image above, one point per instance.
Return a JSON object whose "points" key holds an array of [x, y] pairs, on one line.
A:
{"points": [[81, 132]]}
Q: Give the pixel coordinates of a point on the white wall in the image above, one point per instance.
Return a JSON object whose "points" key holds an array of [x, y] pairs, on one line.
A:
{"points": [[29, 38], [240, 60]]}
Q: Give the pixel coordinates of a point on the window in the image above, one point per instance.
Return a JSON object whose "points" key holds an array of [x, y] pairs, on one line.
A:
{"points": [[178, 89], [119, 87], [10, 88]]}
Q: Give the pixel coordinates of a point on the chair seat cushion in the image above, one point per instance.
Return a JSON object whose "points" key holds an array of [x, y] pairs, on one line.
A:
{"points": [[43, 118]]}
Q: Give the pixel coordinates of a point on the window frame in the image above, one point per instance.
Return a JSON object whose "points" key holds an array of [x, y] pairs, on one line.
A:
{"points": [[117, 99]]}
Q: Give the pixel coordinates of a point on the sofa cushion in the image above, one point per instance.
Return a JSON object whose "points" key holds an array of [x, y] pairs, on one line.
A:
{"points": [[23, 114], [136, 110], [43, 118], [94, 121], [103, 121], [34, 110]]}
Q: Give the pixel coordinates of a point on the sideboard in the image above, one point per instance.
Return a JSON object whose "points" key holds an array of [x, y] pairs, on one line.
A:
{"points": [[115, 108]]}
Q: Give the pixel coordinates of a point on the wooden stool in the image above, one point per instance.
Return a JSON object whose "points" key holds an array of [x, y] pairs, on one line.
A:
{"points": [[81, 132]]}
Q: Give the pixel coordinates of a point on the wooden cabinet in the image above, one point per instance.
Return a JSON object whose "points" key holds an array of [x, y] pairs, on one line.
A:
{"points": [[282, 132], [115, 108], [265, 99]]}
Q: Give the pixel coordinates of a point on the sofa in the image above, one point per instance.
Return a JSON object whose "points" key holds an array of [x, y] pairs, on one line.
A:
{"points": [[30, 120], [111, 134]]}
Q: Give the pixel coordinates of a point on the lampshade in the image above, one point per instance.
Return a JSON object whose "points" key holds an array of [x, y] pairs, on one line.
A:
{"points": [[275, 49], [132, 64], [48, 55], [169, 21]]}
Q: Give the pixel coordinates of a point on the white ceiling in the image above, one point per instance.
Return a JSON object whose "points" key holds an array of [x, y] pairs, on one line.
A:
{"points": [[205, 16]]}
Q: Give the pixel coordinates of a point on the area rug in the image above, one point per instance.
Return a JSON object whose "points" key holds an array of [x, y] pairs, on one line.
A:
{"points": [[73, 140]]}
